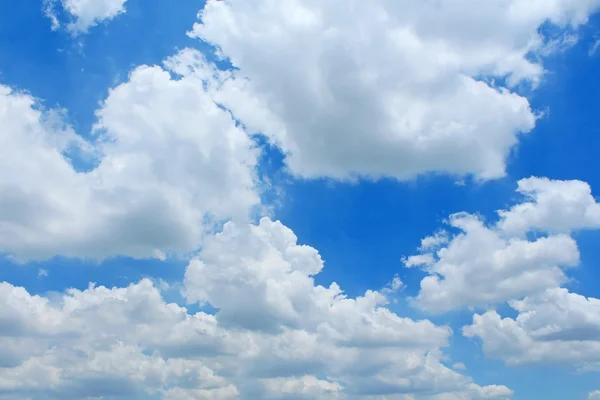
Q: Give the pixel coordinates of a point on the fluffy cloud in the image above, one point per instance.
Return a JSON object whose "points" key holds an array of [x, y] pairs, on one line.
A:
{"points": [[481, 267], [484, 265], [88, 13], [552, 206], [555, 327], [84, 13], [169, 161], [261, 279], [125, 342], [387, 88], [595, 395]]}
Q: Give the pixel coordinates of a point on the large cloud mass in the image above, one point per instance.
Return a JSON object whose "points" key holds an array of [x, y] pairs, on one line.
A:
{"points": [[279, 336], [169, 161], [387, 88]]}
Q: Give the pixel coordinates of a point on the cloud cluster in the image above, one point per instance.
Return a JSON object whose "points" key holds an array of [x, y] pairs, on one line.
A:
{"points": [[555, 327], [525, 252], [168, 161], [484, 266], [552, 206], [388, 88], [275, 335]]}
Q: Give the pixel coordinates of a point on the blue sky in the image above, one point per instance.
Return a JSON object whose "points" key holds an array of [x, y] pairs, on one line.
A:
{"points": [[336, 160]]}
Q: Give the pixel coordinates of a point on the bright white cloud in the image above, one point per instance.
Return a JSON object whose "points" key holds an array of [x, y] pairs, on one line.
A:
{"points": [[126, 342], [552, 206], [555, 327], [87, 13], [386, 88], [260, 279], [595, 395], [484, 265], [480, 267], [169, 161]]}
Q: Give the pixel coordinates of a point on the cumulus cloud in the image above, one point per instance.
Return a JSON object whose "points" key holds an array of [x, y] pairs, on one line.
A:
{"points": [[552, 206], [595, 395], [387, 88], [555, 327], [87, 13], [487, 264], [480, 267], [126, 342], [169, 161], [84, 14]]}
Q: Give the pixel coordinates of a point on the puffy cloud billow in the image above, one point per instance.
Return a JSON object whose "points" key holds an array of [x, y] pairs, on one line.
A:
{"points": [[276, 334], [387, 88], [170, 162]]}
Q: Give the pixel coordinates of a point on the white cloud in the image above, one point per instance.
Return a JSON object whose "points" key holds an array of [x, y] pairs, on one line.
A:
{"points": [[169, 162], [555, 327], [595, 395], [260, 279], [87, 13], [432, 242], [386, 88], [487, 264], [480, 267], [552, 206], [459, 365], [594, 48], [84, 13], [49, 9], [126, 342], [419, 260]]}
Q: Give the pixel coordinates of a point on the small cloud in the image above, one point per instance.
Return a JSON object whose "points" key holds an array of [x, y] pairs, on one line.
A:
{"points": [[560, 44], [594, 48], [48, 7], [418, 260], [394, 286], [160, 255], [595, 395], [460, 366], [161, 284], [433, 242], [42, 273]]}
